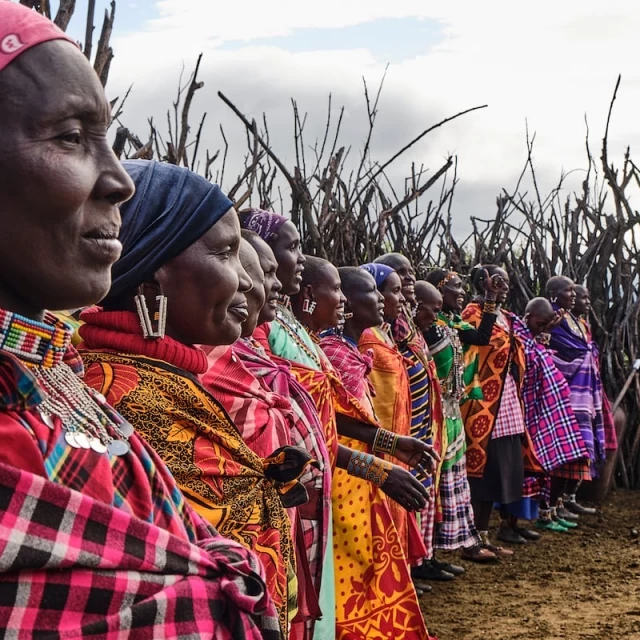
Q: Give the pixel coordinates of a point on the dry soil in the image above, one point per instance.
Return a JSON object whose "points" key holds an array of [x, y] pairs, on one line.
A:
{"points": [[584, 585]]}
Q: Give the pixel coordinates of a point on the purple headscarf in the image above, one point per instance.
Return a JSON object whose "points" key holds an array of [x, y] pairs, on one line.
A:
{"points": [[265, 223], [380, 272]]}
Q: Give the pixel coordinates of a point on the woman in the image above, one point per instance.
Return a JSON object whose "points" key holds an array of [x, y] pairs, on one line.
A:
{"points": [[576, 357], [312, 518], [148, 367], [495, 423], [96, 511], [449, 340], [427, 421], [392, 399], [364, 608], [582, 311], [262, 416]]}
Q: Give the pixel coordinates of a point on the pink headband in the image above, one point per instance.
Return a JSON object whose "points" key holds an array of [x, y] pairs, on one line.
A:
{"points": [[22, 28], [264, 223]]}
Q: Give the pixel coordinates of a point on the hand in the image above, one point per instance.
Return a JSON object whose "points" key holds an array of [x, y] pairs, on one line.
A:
{"points": [[557, 319], [408, 492], [417, 455], [493, 284]]}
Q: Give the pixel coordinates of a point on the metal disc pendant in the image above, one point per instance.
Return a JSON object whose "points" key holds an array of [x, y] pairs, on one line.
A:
{"points": [[126, 428], [118, 448], [46, 418], [81, 440], [97, 446], [70, 440], [99, 397]]}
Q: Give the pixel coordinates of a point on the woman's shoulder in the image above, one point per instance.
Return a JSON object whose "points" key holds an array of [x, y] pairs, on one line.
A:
{"points": [[112, 378]]}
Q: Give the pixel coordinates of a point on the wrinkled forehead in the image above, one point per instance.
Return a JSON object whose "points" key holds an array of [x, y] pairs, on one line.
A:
{"points": [[48, 83]]}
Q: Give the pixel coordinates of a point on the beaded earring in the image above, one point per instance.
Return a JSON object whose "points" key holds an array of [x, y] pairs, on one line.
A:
{"points": [[309, 306], [152, 329], [554, 299]]}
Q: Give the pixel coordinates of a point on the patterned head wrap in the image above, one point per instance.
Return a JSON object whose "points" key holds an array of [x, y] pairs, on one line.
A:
{"points": [[22, 28], [265, 223], [171, 209], [380, 272]]}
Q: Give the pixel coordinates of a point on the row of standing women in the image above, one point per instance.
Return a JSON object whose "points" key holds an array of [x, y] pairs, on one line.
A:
{"points": [[250, 443]]}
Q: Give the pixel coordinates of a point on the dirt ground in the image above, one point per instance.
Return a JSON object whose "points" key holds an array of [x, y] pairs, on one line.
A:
{"points": [[584, 585]]}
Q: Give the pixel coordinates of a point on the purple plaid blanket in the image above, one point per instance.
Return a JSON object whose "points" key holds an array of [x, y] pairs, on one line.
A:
{"points": [[577, 360], [546, 396]]}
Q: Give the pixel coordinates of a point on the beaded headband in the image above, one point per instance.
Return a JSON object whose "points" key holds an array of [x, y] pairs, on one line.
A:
{"points": [[448, 278]]}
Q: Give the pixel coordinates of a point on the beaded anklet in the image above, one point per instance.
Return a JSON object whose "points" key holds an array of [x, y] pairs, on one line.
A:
{"points": [[368, 467]]}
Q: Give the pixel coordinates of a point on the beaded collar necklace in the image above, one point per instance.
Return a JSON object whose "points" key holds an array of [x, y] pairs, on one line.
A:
{"points": [[453, 385], [34, 342], [88, 421], [292, 326]]}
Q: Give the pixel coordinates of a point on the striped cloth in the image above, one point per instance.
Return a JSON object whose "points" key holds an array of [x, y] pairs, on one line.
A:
{"points": [[457, 529]]}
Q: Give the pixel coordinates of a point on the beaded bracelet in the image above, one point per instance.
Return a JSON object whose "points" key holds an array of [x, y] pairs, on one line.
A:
{"points": [[369, 468], [489, 307], [385, 442]]}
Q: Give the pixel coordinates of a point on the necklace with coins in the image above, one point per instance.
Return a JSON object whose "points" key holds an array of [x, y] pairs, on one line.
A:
{"points": [[87, 419]]}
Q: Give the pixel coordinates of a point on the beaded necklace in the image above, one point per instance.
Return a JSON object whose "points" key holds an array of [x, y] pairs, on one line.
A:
{"points": [[453, 385], [87, 419], [291, 325], [574, 325]]}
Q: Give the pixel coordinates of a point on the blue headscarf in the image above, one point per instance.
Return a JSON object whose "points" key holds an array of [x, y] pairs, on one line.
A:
{"points": [[171, 209], [380, 272]]}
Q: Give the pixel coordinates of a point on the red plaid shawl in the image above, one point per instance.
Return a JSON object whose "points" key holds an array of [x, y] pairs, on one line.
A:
{"points": [[72, 566]]}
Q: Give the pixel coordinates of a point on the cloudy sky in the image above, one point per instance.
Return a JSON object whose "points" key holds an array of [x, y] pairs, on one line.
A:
{"points": [[548, 63]]}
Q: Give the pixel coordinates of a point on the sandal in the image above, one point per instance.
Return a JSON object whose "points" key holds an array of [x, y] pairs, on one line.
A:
{"points": [[500, 552], [478, 554]]}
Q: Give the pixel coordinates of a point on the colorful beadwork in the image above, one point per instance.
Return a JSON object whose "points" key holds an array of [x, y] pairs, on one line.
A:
{"points": [[367, 467], [88, 421], [40, 343], [292, 327], [385, 442]]}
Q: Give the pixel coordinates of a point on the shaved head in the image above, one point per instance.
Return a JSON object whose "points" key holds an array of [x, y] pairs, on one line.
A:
{"points": [[539, 306], [555, 284], [426, 292], [429, 305], [539, 314]]}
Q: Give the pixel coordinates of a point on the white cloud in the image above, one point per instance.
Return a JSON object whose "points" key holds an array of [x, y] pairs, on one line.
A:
{"points": [[549, 62]]}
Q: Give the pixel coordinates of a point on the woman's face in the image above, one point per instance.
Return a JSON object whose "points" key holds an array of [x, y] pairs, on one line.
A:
{"points": [[566, 295], [206, 287], [288, 253], [272, 285], [329, 299], [257, 296], [60, 183], [393, 298], [582, 306], [366, 303], [408, 278], [429, 306], [453, 295]]}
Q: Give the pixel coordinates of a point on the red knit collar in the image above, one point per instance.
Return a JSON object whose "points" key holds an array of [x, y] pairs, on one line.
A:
{"points": [[120, 331]]}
